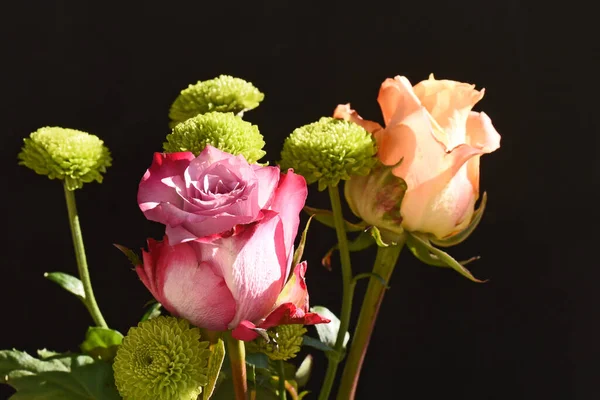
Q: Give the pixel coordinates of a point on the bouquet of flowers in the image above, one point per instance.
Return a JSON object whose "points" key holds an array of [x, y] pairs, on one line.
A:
{"points": [[231, 306]]}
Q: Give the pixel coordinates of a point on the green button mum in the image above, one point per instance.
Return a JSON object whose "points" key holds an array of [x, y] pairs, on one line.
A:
{"points": [[225, 131], [67, 154], [222, 94], [162, 358], [328, 151], [284, 343]]}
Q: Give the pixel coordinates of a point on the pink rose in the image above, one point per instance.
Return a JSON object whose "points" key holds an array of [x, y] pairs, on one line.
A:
{"points": [[199, 196], [431, 128], [237, 279]]}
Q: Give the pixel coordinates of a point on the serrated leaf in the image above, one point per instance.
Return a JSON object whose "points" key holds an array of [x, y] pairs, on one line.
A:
{"points": [[328, 332], [67, 282], [326, 218], [441, 255], [465, 233], [300, 250], [303, 372], [215, 361], [101, 343], [133, 258], [67, 376], [152, 312]]}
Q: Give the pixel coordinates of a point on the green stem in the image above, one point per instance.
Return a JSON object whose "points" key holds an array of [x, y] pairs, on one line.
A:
{"points": [[384, 266], [282, 390], [237, 356], [347, 292], [82, 267]]}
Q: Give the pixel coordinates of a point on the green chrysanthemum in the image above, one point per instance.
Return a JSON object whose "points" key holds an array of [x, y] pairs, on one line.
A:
{"points": [[284, 344], [163, 359], [222, 94], [328, 151], [225, 131], [67, 154]]}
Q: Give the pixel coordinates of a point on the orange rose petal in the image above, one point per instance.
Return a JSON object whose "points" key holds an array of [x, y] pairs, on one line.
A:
{"points": [[397, 99], [343, 111], [481, 134]]}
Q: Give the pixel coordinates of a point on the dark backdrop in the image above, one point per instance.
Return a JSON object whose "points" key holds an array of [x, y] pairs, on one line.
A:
{"points": [[114, 70]]}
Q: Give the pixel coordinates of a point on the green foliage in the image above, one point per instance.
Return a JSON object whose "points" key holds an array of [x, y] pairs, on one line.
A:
{"points": [[215, 362], [67, 282], [69, 155], [328, 151], [57, 376], [101, 343]]}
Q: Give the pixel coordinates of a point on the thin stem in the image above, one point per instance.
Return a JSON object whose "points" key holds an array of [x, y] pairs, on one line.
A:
{"points": [[347, 291], [237, 356], [281, 372], [384, 266], [82, 267]]}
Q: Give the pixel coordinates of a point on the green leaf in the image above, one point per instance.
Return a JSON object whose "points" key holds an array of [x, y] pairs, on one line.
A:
{"points": [[361, 242], [328, 332], [300, 250], [67, 282], [258, 360], [438, 256], [101, 343], [134, 259], [303, 394], [315, 343], [152, 312], [215, 361], [326, 218], [303, 372], [465, 233], [64, 376]]}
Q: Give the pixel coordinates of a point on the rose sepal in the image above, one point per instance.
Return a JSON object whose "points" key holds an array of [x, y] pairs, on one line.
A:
{"points": [[422, 248]]}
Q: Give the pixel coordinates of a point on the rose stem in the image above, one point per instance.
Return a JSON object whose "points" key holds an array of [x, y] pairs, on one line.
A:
{"points": [[385, 262], [237, 356], [281, 372], [347, 292], [82, 267]]}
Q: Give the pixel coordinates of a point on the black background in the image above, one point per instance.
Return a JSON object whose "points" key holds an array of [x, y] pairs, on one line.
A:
{"points": [[114, 70]]}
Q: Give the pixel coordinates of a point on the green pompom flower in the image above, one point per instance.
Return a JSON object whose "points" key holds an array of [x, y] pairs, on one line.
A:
{"points": [[162, 358], [328, 151], [284, 343], [67, 154], [225, 131], [222, 94]]}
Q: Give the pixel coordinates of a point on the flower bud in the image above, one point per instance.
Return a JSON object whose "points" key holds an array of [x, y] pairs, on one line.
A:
{"points": [[225, 131], [328, 151], [70, 155], [162, 358], [376, 198], [284, 342], [222, 94]]}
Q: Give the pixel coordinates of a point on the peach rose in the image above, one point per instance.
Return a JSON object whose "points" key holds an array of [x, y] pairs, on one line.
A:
{"points": [[431, 128]]}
